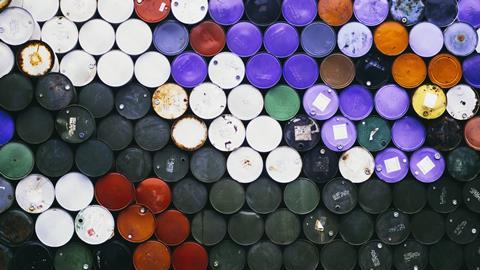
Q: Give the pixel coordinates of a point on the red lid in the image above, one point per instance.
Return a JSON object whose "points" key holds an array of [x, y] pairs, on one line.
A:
{"points": [[114, 192], [151, 255], [136, 223], [207, 38], [190, 256], [472, 133], [172, 227], [154, 194], [152, 11]]}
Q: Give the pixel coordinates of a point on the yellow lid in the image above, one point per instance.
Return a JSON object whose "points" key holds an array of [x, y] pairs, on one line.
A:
{"points": [[429, 101]]}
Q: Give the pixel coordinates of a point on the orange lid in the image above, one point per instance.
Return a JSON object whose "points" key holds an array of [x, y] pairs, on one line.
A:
{"points": [[154, 194], [172, 227], [472, 133], [409, 70], [335, 12], [136, 224], [391, 38], [151, 255], [445, 70]]}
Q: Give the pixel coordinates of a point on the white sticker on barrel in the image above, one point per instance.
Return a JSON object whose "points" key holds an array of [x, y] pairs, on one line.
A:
{"points": [[425, 165], [392, 165], [321, 102], [430, 100], [340, 132], [303, 133]]}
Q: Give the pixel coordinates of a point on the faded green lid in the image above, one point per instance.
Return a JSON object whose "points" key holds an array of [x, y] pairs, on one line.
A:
{"points": [[227, 196], [301, 196], [463, 164], [73, 256], [282, 103], [373, 133], [16, 161]]}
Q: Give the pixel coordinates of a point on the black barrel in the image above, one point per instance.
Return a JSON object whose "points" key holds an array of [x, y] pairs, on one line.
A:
{"points": [[115, 131], [375, 255], [134, 163], [34, 125], [340, 196], [94, 158], [320, 164], [171, 164], [427, 227], [263, 195], [227, 256], [301, 255], [152, 133], [320, 226], [338, 255], [133, 101], [245, 228], [55, 91], [189, 196], [264, 255], [374, 196], [208, 164], [392, 227], [208, 227], [410, 255], [409, 196], [444, 195], [97, 98], [54, 158], [356, 227]]}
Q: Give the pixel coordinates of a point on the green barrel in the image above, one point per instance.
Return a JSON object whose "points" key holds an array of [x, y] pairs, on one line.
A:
{"points": [[282, 103], [73, 256], [373, 133], [16, 161]]}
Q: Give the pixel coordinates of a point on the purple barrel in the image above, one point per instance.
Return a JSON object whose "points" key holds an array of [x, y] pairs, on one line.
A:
{"points": [[7, 127], [299, 12], [471, 70], [338, 134], [189, 69], [469, 12], [318, 39], [460, 39], [226, 12], [263, 70], [244, 39], [388, 109], [300, 71], [281, 40], [408, 134], [356, 102], [427, 165], [170, 38], [391, 165], [371, 12], [354, 39], [320, 102]]}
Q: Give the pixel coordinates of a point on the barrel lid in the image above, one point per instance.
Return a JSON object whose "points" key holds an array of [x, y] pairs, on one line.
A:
{"points": [[472, 128], [462, 102], [338, 134], [35, 58], [7, 129], [337, 71], [409, 70], [8, 59], [263, 133], [227, 196], [226, 13], [301, 255], [244, 101], [356, 227], [182, 134], [75, 124], [356, 102], [170, 37], [190, 256], [226, 70], [134, 163], [410, 255], [338, 255], [60, 33], [94, 225], [133, 101], [263, 195], [408, 133], [320, 226], [113, 255], [317, 39], [356, 164], [54, 91], [97, 98], [444, 196], [471, 195], [427, 165], [263, 70], [302, 133], [339, 195], [426, 39], [189, 69], [472, 257], [40, 11], [7, 195], [114, 191], [335, 13], [73, 255], [264, 255], [152, 133], [320, 164], [16, 161], [282, 103], [468, 12], [115, 131], [437, 67], [320, 102], [16, 227], [207, 164], [371, 12], [136, 223], [114, 11], [441, 13], [374, 196], [189, 12], [460, 38], [446, 255], [409, 196], [301, 196], [244, 39], [391, 110], [78, 11], [34, 125], [391, 38], [152, 11], [94, 158], [392, 227], [208, 227], [391, 165], [300, 71], [151, 255], [373, 70], [245, 228], [373, 133], [281, 39], [227, 256], [133, 37], [226, 133], [172, 227], [33, 255], [17, 25], [74, 191], [462, 226], [408, 12], [282, 227], [244, 165], [170, 101], [79, 66], [115, 68], [263, 13], [376, 255], [283, 164], [171, 164], [463, 164], [354, 39], [189, 196], [35, 193], [63, 227], [207, 38], [154, 194], [207, 101], [152, 69]]}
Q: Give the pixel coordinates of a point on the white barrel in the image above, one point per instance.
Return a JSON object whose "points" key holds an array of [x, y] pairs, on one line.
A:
{"points": [[41, 11], [189, 133], [462, 102], [170, 101], [60, 33], [78, 10], [245, 165], [188, 11], [207, 100], [356, 164], [74, 191], [245, 102], [94, 225], [226, 70], [96, 37], [226, 133], [152, 69], [35, 193], [284, 164], [264, 133], [16, 26], [115, 68], [134, 37], [115, 11], [54, 227], [79, 66]]}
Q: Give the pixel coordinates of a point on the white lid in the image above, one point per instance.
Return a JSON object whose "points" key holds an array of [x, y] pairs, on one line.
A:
{"points": [[96, 37], [8, 59], [37, 32], [226, 133], [426, 39], [152, 69], [60, 33], [94, 225], [189, 11], [35, 58], [78, 10], [54, 227], [35, 193], [462, 102], [284, 164], [264, 133], [115, 68], [56, 64], [115, 11], [356, 164], [74, 191], [245, 165], [134, 37], [170, 101], [79, 66], [16, 26], [189, 133], [41, 11], [226, 70], [207, 100], [245, 102]]}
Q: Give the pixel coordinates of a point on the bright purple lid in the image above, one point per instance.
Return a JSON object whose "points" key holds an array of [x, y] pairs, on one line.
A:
{"points": [[7, 127], [244, 39], [388, 109], [226, 12], [300, 71], [281, 40], [391, 165], [338, 134], [471, 70], [320, 102], [354, 39], [469, 12], [408, 134], [170, 37], [299, 12], [189, 69], [371, 12], [263, 70], [427, 165], [460, 39], [356, 102]]}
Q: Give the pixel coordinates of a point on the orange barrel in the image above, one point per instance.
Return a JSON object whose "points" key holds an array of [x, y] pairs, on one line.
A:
{"points": [[190, 256], [172, 227], [472, 133], [154, 194], [136, 224], [114, 192], [445, 70], [335, 12], [391, 38], [409, 70], [151, 255]]}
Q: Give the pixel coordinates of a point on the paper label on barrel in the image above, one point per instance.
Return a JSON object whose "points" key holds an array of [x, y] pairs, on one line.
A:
{"points": [[303, 133], [162, 7], [425, 165], [340, 132], [321, 102], [392, 165], [430, 100]]}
